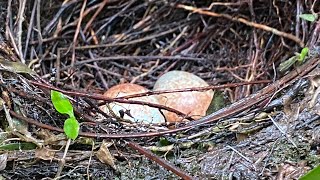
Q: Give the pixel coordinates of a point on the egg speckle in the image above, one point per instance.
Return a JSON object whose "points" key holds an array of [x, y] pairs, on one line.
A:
{"points": [[192, 103], [134, 112]]}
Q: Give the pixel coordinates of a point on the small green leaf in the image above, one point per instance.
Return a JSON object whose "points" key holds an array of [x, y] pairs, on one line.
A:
{"points": [[308, 17], [313, 174], [71, 128], [61, 103], [303, 54]]}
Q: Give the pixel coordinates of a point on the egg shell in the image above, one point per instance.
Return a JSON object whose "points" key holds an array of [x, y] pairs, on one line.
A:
{"points": [[139, 113], [192, 103]]}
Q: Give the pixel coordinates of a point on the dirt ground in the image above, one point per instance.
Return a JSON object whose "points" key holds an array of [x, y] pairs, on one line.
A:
{"points": [[268, 129]]}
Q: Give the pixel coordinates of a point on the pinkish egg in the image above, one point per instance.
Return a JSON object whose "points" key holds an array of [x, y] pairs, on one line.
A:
{"points": [[133, 112], [192, 103]]}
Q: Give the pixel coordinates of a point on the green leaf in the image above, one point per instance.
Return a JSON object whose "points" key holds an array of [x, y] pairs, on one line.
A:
{"points": [[308, 17], [287, 64], [61, 103], [164, 142], [71, 128], [303, 54], [18, 146], [313, 174], [217, 102]]}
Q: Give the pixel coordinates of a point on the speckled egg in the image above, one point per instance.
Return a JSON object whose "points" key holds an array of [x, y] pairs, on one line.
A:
{"points": [[194, 104], [134, 112]]}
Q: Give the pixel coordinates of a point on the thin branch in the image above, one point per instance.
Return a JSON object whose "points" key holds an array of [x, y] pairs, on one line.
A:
{"points": [[244, 21], [160, 161]]}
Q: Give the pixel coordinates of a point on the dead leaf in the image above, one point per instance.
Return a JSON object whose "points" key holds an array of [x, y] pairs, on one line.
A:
{"points": [[105, 156], [1, 103], [15, 67], [51, 138], [3, 161], [45, 154]]}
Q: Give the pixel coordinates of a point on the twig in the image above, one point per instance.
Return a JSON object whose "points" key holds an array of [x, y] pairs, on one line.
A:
{"points": [[282, 131], [130, 58], [30, 28], [64, 6], [244, 21], [63, 160], [101, 6], [160, 161], [108, 100], [236, 151], [73, 59], [230, 85], [148, 38], [9, 35], [22, 6]]}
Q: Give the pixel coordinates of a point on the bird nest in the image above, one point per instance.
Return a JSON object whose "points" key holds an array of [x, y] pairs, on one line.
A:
{"points": [[268, 127]]}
